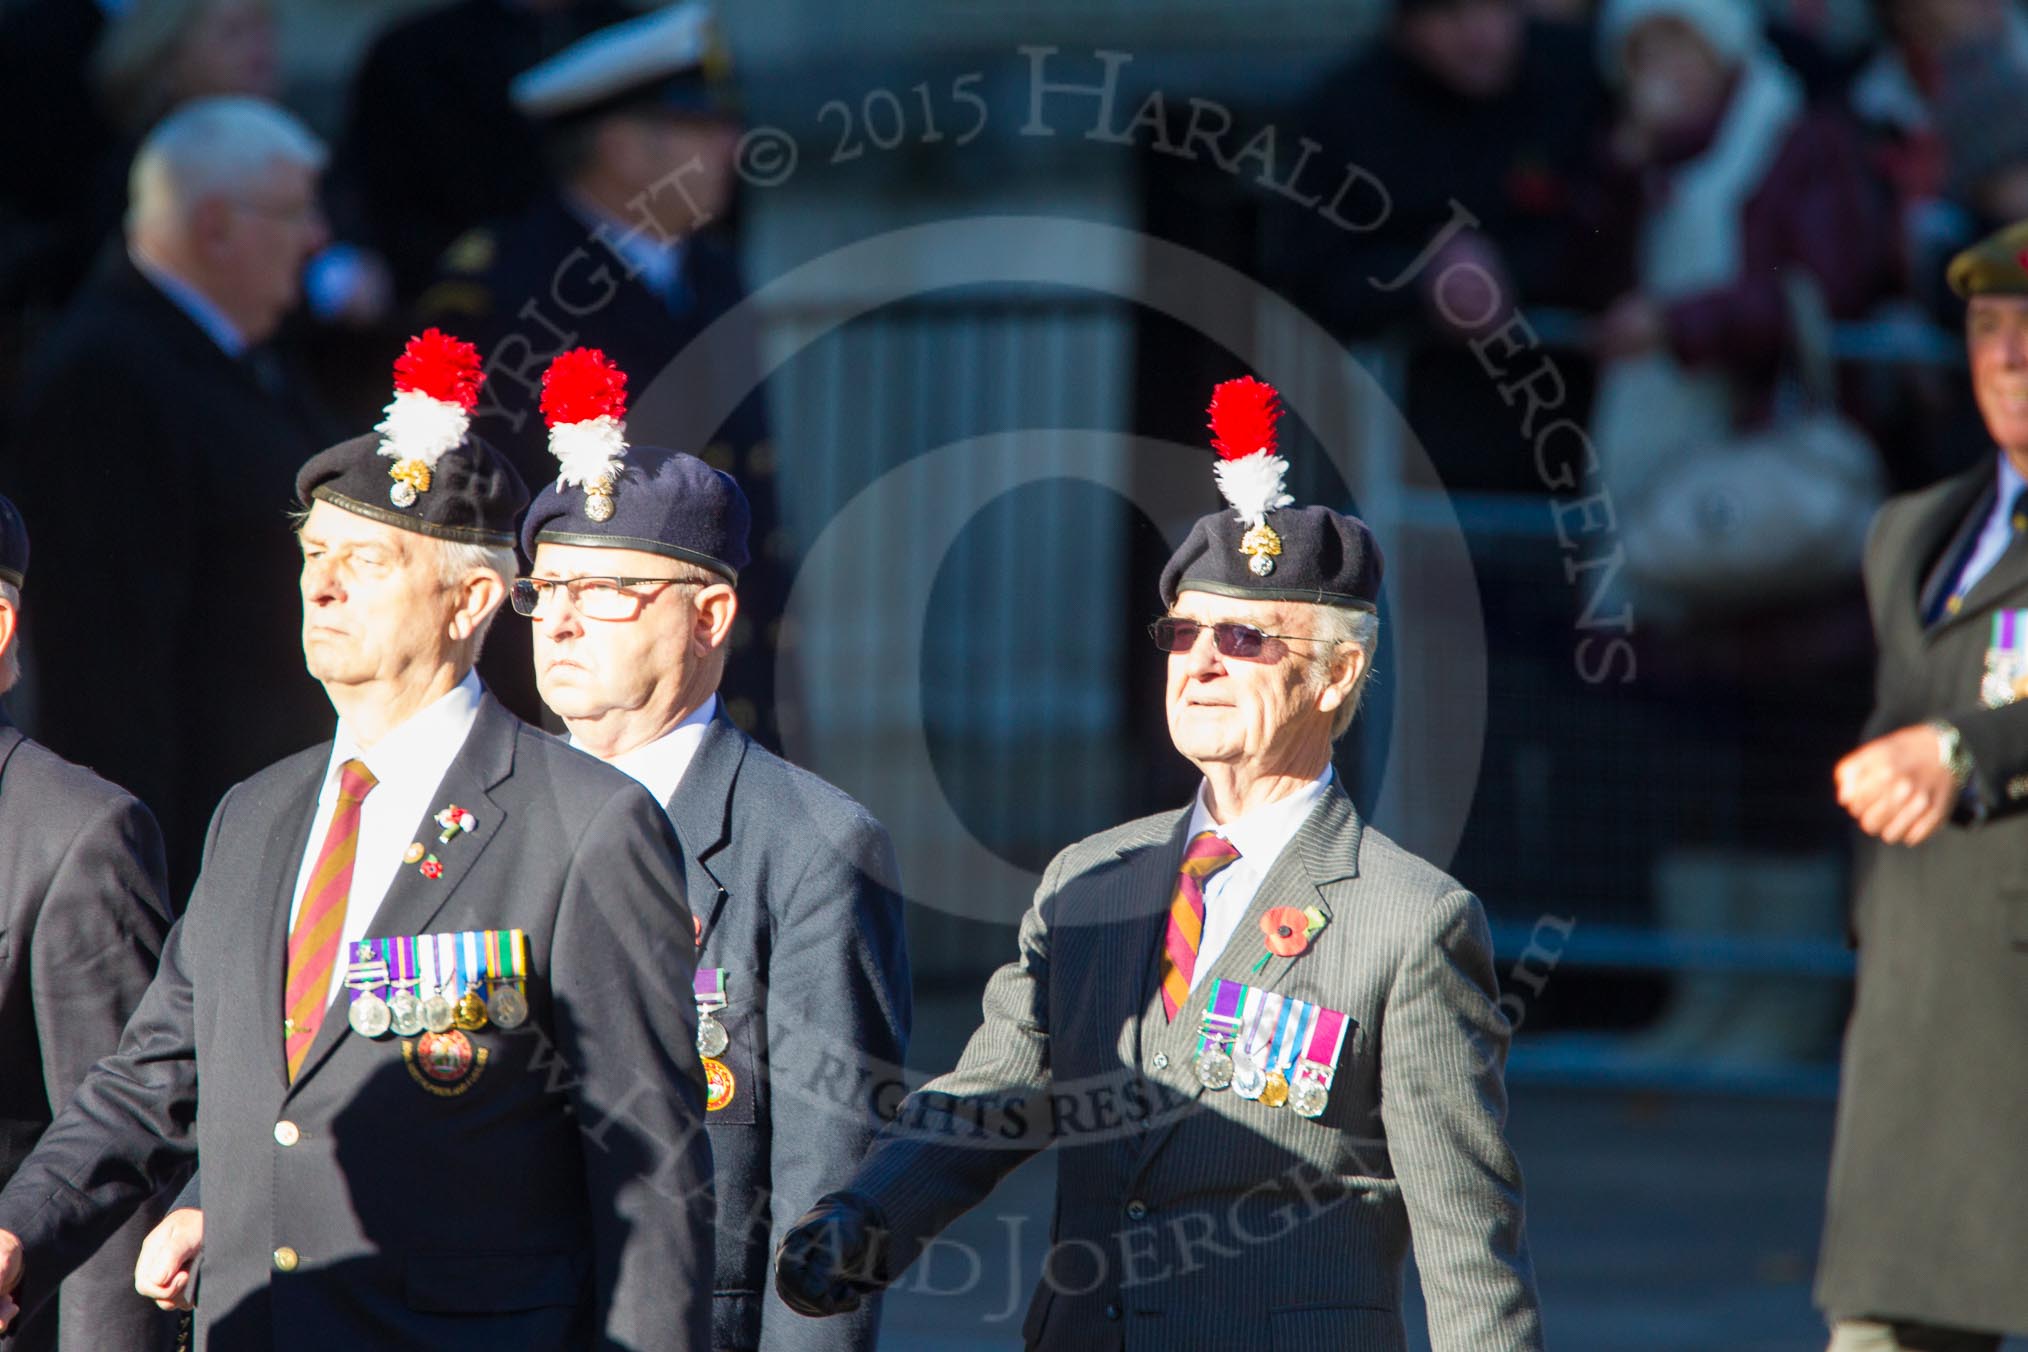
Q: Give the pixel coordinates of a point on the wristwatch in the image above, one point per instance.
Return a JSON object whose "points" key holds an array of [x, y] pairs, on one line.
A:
{"points": [[1950, 749]]}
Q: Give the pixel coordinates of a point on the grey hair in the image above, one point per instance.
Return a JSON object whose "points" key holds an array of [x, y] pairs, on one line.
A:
{"points": [[1337, 626], [10, 661], [457, 561], [210, 147]]}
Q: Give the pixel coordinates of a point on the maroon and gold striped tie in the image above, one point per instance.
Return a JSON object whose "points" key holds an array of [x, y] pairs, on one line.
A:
{"points": [[313, 942], [1208, 853]]}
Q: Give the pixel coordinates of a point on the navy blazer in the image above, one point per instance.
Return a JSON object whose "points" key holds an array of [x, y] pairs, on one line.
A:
{"points": [[794, 885], [556, 1196], [83, 909]]}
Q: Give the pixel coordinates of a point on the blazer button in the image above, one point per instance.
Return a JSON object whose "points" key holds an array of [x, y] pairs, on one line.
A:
{"points": [[1112, 1312], [286, 1259], [1137, 1210], [1161, 1060], [286, 1133]]}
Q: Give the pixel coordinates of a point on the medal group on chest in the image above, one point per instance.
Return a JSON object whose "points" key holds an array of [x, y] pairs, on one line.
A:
{"points": [[1271, 1048], [438, 989]]}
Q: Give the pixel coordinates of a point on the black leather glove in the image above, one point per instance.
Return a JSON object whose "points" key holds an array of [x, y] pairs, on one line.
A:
{"points": [[834, 1257]]}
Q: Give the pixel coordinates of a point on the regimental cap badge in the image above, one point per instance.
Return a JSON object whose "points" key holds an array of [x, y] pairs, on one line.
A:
{"points": [[1250, 474], [436, 386], [584, 401]]}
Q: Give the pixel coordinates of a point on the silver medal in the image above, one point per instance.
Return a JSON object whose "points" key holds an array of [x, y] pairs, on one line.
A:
{"points": [[508, 1007], [404, 1013], [438, 1014], [711, 1037], [1308, 1099], [1249, 1077], [368, 1016], [1214, 1068]]}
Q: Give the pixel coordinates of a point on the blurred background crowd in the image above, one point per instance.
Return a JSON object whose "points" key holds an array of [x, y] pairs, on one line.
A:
{"points": [[1719, 225]]}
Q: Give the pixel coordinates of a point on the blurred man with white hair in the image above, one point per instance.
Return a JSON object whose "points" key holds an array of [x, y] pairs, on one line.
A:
{"points": [[154, 446], [82, 918]]}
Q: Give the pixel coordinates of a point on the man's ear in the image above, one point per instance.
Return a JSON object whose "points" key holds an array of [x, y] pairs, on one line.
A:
{"points": [[717, 608], [10, 623], [482, 594], [1348, 666]]}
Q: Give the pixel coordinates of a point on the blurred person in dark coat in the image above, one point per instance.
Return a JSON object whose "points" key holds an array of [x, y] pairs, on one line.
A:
{"points": [[1925, 1237], [1464, 104], [83, 910], [629, 253], [53, 138], [432, 145], [155, 445]]}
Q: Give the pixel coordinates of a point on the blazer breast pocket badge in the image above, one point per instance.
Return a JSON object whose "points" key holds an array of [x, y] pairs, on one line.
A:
{"points": [[1271, 1048], [433, 991], [2006, 678]]}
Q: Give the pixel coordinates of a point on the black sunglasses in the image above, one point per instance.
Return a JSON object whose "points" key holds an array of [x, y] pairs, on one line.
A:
{"points": [[1173, 635]]}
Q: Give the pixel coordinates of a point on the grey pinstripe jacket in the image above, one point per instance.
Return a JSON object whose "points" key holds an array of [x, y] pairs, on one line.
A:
{"points": [[1194, 1219]]}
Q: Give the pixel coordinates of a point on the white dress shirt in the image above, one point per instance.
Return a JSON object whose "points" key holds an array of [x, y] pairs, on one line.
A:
{"points": [[1260, 837], [660, 765], [408, 766]]}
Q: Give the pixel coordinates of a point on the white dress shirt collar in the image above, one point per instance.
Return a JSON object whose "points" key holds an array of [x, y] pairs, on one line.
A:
{"points": [[1262, 834], [193, 303], [408, 765], [422, 746], [660, 765]]}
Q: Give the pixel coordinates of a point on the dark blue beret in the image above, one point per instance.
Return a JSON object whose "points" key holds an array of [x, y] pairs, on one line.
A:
{"points": [[474, 497], [1326, 558], [664, 502], [13, 544]]}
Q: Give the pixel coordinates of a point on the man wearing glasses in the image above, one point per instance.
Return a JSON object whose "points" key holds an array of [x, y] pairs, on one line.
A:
{"points": [[1264, 1038], [803, 992], [423, 986]]}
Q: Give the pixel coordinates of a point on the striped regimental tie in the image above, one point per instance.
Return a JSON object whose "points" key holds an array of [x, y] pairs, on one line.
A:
{"points": [[313, 943], [1208, 853]]}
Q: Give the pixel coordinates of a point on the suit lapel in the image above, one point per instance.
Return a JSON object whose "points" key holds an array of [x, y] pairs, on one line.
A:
{"points": [[1325, 851], [413, 900], [1938, 543], [2008, 575], [701, 809]]}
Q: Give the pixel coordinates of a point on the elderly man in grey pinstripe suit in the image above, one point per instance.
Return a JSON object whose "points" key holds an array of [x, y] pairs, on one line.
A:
{"points": [[1264, 1039]]}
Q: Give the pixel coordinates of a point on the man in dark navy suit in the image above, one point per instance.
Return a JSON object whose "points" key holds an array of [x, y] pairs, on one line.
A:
{"points": [[803, 990]]}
